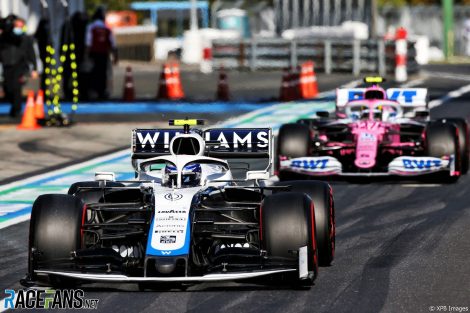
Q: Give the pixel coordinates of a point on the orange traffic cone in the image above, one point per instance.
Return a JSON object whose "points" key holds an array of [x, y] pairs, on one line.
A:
{"points": [[176, 88], [222, 86], [308, 81], [29, 118], [128, 93], [313, 81], [39, 107]]}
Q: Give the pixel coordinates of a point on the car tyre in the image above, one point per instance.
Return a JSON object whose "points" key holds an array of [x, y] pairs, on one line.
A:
{"points": [[293, 141], [55, 232], [442, 139], [464, 145], [287, 224], [321, 194]]}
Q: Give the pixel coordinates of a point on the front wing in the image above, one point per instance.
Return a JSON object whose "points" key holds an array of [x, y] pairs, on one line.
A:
{"points": [[400, 166], [119, 278]]}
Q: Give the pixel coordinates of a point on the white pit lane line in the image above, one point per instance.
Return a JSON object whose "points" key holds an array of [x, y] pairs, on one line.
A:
{"points": [[449, 96], [451, 76], [421, 185]]}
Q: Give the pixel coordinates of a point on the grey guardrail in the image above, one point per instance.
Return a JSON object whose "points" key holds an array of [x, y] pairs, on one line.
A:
{"points": [[356, 56]]}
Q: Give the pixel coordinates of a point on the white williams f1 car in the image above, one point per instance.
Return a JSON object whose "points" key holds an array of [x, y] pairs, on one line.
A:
{"points": [[184, 218]]}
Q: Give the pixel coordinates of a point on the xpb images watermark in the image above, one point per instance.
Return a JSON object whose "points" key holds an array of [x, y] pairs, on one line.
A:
{"points": [[48, 299]]}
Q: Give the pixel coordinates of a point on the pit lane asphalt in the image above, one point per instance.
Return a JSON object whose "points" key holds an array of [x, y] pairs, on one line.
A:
{"points": [[401, 247]]}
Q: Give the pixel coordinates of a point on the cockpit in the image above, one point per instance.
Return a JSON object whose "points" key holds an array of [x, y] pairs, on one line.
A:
{"points": [[190, 175], [184, 175], [384, 111]]}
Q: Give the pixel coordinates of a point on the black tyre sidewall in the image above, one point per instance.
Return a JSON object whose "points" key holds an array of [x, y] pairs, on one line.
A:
{"points": [[287, 224], [464, 147], [442, 138], [321, 194], [55, 227], [293, 140]]}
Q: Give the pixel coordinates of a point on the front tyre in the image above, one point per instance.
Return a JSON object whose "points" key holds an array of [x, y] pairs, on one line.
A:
{"points": [[442, 140], [287, 223], [55, 231], [464, 148], [321, 194]]}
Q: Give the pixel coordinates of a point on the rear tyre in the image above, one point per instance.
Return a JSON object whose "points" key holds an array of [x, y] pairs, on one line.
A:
{"points": [[287, 224], [464, 147], [442, 139], [321, 194], [293, 142], [55, 231]]}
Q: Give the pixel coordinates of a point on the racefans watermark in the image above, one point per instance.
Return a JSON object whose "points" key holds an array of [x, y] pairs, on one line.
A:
{"points": [[448, 308], [48, 299]]}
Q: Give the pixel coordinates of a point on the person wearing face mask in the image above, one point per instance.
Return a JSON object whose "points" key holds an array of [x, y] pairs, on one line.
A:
{"points": [[18, 59]]}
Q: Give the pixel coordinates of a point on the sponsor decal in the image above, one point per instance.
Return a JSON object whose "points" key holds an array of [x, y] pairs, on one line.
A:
{"points": [[166, 252], [180, 231], [48, 299], [357, 94], [154, 140], [367, 137], [171, 218], [405, 96], [231, 140], [167, 239], [310, 164], [172, 196], [171, 211], [239, 140], [413, 164]]}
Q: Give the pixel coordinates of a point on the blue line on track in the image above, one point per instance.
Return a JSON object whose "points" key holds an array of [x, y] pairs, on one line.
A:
{"points": [[155, 107]]}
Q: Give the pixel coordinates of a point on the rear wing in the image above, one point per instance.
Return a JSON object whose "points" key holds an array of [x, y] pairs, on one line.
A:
{"points": [[408, 98], [227, 143], [345, 95]]}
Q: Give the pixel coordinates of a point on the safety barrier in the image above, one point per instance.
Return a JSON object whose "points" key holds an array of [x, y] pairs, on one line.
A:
{"points": [[356, 56]]}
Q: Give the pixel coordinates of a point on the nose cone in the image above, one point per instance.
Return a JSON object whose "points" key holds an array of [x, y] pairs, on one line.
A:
{"points": [[165, 265], [365, 161]]}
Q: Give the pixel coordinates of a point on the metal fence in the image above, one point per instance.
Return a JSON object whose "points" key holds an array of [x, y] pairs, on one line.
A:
{"points": [[355, 56]]}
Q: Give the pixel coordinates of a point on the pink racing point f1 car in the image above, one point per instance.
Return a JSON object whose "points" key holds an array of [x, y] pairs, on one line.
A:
{"points": [[375, 132]]}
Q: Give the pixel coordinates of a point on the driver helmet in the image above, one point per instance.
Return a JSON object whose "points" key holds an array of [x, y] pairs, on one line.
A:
{"points": [[191, 175], [376, 113]]}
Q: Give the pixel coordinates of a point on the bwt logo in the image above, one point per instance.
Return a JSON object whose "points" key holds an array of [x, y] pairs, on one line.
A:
{"points": [[407, 95], [421, 164], [310, 164], [355, 95]]}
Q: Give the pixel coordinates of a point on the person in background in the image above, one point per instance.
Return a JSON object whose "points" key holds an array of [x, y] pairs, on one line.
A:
{"points": [[18, 59], [100, 45]]}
